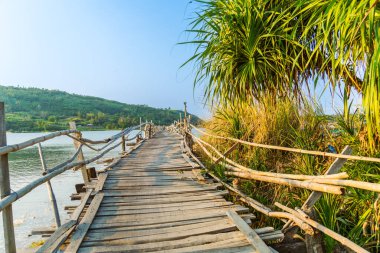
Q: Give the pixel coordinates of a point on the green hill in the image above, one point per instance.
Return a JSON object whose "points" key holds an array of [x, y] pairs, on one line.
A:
{"points": [[33, 109]]}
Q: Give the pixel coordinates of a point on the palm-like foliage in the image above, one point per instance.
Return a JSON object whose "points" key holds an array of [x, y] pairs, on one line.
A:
{"points": [[247, 48], [243, 51]]}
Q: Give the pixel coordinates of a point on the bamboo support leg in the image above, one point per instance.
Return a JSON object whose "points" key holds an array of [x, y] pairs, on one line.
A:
{"points": [[123, 143], [86, 177], [50, 189], [5, 188]]}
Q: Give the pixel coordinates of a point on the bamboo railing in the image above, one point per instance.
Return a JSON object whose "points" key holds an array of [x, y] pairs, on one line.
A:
{"points": [[332, 182], [8, 197]]}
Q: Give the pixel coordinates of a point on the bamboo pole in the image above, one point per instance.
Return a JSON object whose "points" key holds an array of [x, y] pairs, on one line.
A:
{"points": [[295, 150], [232, 148], [315, 195], [185, 123], [254, 203], [309, 185], [123, 143], [242, 168], [77, 144], [8, 200], [111, 140], [50, 189], [5, 188], [350, 183], [343, 240], [258, 206], [64, 163], [22, 145], [333, 169]]}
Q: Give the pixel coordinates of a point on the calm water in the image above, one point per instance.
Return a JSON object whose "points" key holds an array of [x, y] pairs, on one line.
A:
{"points": [[34, 209]]}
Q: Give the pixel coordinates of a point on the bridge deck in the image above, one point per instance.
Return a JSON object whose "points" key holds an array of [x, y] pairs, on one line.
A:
{"points": [[152, 201]]}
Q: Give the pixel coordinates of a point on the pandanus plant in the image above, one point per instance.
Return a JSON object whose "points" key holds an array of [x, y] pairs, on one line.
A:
{"points": [[247, 49]]}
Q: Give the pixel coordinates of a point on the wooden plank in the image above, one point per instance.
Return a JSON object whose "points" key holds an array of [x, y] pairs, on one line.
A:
{"points": [[93, 236], [169, 216], [146, 230], [227, 246], [148, 205], [77, 212], [153, 191], [101, 180], [166, 245], [224, 226], [164, 197], [161, 177], [249, 233], [43, 230], [163, 188], [120, 184], [84, 225], [120, 211], [55, 240], [99, 228]]}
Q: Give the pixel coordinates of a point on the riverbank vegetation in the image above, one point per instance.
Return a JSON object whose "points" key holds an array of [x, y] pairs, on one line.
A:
{"points": [[33, 109], [259, 62]]}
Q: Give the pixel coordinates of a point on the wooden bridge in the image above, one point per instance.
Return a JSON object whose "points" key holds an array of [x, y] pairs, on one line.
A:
{"points": [[158, 196], [152, 200]]}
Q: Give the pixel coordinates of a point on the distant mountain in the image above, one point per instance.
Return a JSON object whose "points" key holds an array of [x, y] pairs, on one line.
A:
{"points": [[33, 109]]}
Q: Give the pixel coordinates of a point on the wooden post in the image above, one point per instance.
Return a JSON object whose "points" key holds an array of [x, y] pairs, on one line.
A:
{"points": [[86, 178], [314, 244], [5, 188], [123, 143], [185, 117], [50, 189], [146, 131]]}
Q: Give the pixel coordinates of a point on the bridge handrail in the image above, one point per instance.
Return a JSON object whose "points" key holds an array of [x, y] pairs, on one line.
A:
{"points": [[110, 140], [295, 150], [332, 183], [298, 216], [66, 165], [16, 147]]}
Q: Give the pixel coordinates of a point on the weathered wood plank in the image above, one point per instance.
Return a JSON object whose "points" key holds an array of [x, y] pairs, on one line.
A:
{"points": [[221, 227], [169, 216], [80, 208], [166, 245], [91, 236], [188, 208], [84, 225], [198, 204], [250, 234]]}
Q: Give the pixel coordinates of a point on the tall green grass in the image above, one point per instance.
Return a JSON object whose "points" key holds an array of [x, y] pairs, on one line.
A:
{"points": [[305, 126]]}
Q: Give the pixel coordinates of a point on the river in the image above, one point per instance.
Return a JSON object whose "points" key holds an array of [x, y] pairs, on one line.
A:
{"points": [[34, 209]]}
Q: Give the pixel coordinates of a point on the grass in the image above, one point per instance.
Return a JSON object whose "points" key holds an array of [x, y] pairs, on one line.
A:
{"points": [[286, 123]]}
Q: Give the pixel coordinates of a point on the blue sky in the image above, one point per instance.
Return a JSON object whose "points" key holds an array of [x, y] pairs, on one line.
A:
{"points": [[120, 50]]}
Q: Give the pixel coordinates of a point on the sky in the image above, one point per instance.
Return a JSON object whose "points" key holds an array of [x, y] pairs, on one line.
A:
{"points": [[122, 50]]}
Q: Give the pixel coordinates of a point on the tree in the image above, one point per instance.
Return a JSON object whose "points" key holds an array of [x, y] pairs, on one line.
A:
{"points": [[247, 49]]}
